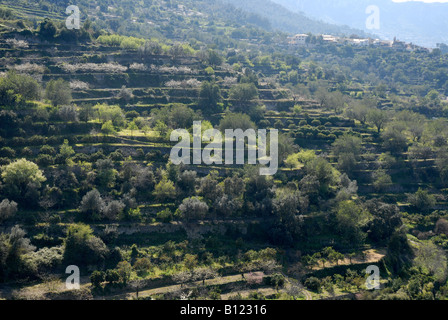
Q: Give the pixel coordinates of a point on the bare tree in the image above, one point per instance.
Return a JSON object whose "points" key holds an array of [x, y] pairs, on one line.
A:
{"points": [[204, 274], [182, 277], [7, 209]]}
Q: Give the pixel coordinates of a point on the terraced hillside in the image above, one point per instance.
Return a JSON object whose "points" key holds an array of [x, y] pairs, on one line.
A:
{"points": [[85, 124]]}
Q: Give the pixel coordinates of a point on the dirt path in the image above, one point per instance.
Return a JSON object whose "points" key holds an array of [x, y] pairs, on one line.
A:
{"points": [[246, 293], [36, 291], [307, 294], [173, 288], [371, 256]]}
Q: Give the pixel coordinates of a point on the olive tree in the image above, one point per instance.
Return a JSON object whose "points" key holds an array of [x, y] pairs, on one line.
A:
{"points": [[432, 260], [378, 118], [58, 92], [82, 248], [68, 113], [7, 209], [422, 200], [113, 209], [20, 176], [209, 97], [193, 209], [244, 92], [92, 204]]}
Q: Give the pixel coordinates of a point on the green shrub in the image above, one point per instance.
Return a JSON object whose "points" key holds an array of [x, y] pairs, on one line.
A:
{"points": [[142, 266], [132, 115], [132, 215], [276, 280], [313, 284], [112, 276], [7, 152], [37, 140], [210, 71], [44, 160], [97, 278], [46, 149], [422, 200], [165, 215], [321, 136], [58, 92], [121, 41]]}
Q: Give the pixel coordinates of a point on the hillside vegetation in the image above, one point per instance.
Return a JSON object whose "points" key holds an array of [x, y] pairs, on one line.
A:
{"points": [[85, 123]]}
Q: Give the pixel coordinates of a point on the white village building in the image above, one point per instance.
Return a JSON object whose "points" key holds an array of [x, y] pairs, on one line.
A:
{"points": [[299, 40]]}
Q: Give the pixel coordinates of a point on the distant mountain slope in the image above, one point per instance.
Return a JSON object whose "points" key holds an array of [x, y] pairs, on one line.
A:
{"points": [[204, 21], [421, 23], [220, 23], [293, 22]]}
